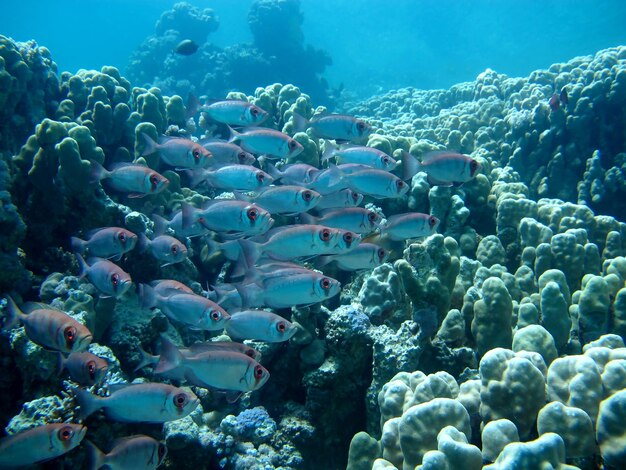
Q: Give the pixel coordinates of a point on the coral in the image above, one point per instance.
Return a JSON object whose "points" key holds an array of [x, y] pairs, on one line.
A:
{"points": [[496, 435], [611, 430], [546, 451], [491, 326], [572, 424]]}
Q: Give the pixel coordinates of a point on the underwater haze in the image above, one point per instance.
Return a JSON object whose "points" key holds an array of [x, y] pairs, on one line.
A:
{"points": [[374, 45], [313, 234]]}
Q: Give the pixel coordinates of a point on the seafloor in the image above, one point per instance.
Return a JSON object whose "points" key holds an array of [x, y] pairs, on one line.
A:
{"points": [[499, 340]]}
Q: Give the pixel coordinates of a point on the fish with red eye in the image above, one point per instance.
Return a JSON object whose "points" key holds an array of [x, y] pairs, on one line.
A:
{"points": [[358, 154], [232, 177], [442, 167], [339, 199], [288, 199], [48, 327], [107, 277], [338, 127], [135, 180], [407, 226], [235, 113], [164, 248], [364, 256], [268, 142], [229, 217], [259, 325], [107, 243], [178, 152], [354, 219], [84, 367], [130, 453]]}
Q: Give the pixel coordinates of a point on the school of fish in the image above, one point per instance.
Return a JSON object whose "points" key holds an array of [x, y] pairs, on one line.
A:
{"points": [[278, 225]]}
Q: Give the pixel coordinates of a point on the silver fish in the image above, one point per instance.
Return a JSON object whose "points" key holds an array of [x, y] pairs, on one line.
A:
{"points": [[136, 180], [339, 127], [107, 277], [364, 256], [223, 370], [108, 242], [161, 225], [285, 291], [299, 174], [225, 153], [235, 113], [39, 444], [128, 453], [48, 327], [84, 367], [412, 225], [269, 142], [164, 248], [195, 311], [259, 325], [228, 216], [144, 402], [234, 177], [161, 286], [379, 184], [338, 199], [354, 219], [360, 155], [287, 199], [443, 168], [178, 152]]}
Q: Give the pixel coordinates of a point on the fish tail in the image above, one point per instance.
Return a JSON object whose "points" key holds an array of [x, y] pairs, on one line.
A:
{"points": [[273, 171], [150, 146], [300, 123], [95, 457], [170, 358], [329, 150], [78, 245], [60, 363], [307, 218], [147, 359], [250, 252], [322, 261], [193, 105], [84, 267], [97, 172], [13, 314], [234, 135], [240, 196], [88, 403], [143, 243], [147, 296], [195, 177], [335, 176], [410, 165], [189, 215], [160, 224]]}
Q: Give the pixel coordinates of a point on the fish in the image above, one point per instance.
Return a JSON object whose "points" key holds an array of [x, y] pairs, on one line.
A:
{"points": [[135, 180], [379, 184], [338, 127], [140, 403], [364, 256], [235, 113], [443, 168], [107, 243], [186, 47], [39, 444], [222, 370], [288, 199], [286, 291], [268, 142], [233, 177], [354, 219], [107, 277], [360, 155], [161, 286], [225, 153], [84, 367], [195, 229], [342, 198], [128, 453], [406, 226], [299, 174], [554, 102], [564, 97], [259, 325], [164, 248], [229, 217], [48, 327], [178, 152], [193, 310]]}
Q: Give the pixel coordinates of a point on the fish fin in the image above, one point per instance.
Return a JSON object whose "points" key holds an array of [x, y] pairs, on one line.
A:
{"points": [[147, 359], [335, 177], [170, 357], [97, 172], [233, 135], [13, 314], [322, 261], [60, 363], [143, 243], [188, 215], [410, 165], [160, 224], [150, 146], [430, 156], [435, 182], [136, 195], [78, 245], [88, 402], [329, 150], [300, 123], [84, 267], [95, 457], [242, 196], [273, 171], [247, 293], [147, 296], [306, 218], [250, 251], [193, 105], [233, 396]]}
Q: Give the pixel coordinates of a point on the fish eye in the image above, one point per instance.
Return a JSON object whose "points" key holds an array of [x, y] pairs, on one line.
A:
{"points": [[241, 156], [260, 177], [306, 195], [174, 249], [258, 371], [66, 433], [400, 184], [216, 316], [69, 334], [325, 234], [432, 221], [91, 369], [121, 237], [355, 196], [115, 279], [281, 327], [381, 253], [196, 154], [162, 451], [372, 216], [180, 400], [250, 353], [154, 180], [325, 283], [348, 238], [473, 166], [254, 112], [360, 126], [252, 214], [386, 160], [292, 144]]}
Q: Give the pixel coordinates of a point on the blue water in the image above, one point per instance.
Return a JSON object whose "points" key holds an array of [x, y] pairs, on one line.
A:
{"points": [[375, 45]]}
